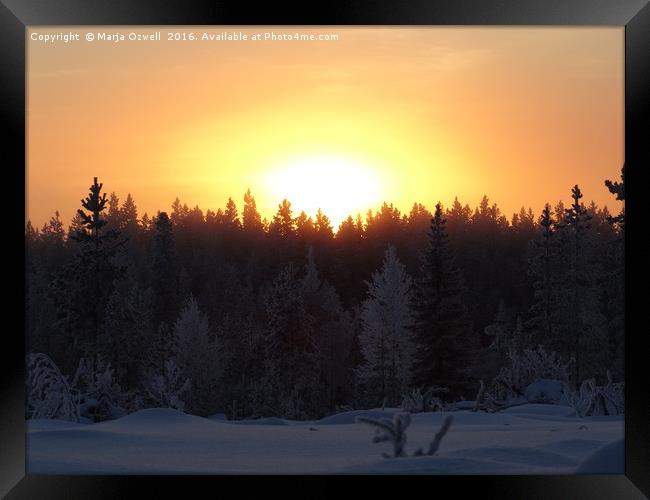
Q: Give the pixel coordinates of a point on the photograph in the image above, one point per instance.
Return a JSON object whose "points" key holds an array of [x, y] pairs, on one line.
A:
{"points": [[325, 250]]}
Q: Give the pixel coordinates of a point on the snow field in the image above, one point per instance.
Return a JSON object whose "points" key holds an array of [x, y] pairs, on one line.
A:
{"points": [[529, 439]]}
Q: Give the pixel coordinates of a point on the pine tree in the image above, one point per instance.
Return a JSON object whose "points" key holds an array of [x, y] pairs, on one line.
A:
{"points": [[162, 347], [614, 282], [76, 226], [618, 189], [283, 224], [251, 219], [349, 262], [499, 331], [386, 338], [332, 331], [146, 222], [544, 268], [292, 369], [128, 330], [180, 212], [51, 244], [416, 229], [113, 213], [231, 216], [305, 230], [442, 329], [129, 213], [323, 227], [500, 334], [166, 282], [82, 289], [584, 324], [167, 389]]}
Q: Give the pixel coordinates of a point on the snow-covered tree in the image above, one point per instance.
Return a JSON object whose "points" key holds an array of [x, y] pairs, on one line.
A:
{"points": [[49, 394], [386, 338], [527, 366], [101, 397], [167, 389], [197, 355], [595, 400], [417, 401]]}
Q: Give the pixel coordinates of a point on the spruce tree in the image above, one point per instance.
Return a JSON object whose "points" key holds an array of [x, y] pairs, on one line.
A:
{"points": [[442, 329]]}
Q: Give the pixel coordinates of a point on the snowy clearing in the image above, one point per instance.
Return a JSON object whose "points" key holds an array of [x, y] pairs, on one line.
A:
{"points": [[529, 439]]}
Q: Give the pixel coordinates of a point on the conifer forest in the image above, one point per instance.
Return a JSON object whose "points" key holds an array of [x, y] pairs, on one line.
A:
{"points": [[227, 312]]}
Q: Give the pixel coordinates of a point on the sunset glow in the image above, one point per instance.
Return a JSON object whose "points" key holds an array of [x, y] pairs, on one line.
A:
{"points": [[337, 186], [401, 115]]}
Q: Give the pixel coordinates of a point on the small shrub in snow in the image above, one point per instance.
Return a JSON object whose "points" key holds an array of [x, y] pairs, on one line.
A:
{"points": [[595, 400], [49, 395], [393, 431], [167, 388], [546, 390], [528, 366], [417, 401], [437, 439], [103, 397]]}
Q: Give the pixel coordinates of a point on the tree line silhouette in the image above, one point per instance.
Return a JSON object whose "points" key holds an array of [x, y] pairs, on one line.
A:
{"points": [[285, 317]]}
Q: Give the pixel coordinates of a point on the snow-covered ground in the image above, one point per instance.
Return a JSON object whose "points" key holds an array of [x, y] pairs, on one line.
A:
{"points": [[529, 439]]}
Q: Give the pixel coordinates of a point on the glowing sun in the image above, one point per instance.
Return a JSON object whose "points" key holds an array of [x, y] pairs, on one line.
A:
{"points": [[337, 185]]}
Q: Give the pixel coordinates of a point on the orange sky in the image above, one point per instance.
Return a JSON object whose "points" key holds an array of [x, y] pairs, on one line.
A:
{"points": [[397, 114]]}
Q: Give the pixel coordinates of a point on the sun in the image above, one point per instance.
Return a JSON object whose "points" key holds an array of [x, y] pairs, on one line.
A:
{"points": [[337, 185]]}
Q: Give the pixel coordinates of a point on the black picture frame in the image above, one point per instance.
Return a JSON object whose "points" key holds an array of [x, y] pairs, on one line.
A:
{"points": [[17, 15]]}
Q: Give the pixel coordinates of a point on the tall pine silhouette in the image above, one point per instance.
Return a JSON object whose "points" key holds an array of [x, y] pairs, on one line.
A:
{"points": [[85, 285], [442, 329]]}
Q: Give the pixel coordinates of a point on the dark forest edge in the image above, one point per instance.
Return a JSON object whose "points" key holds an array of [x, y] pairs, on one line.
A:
{"points": [[213, 313]]}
